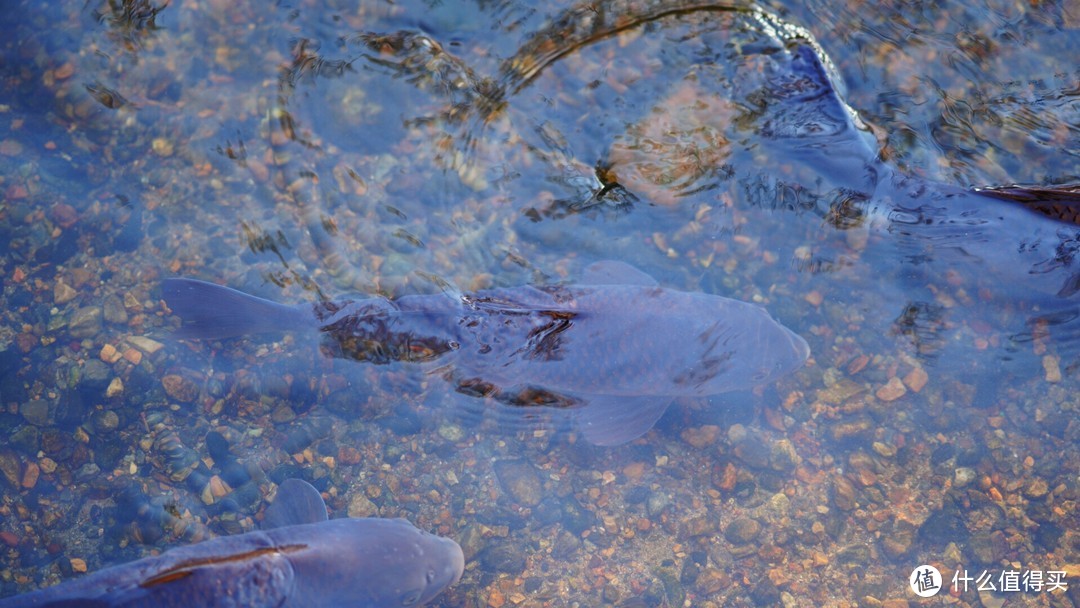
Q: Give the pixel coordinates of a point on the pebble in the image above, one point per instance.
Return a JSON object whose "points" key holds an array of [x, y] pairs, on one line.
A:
{"points": [[963, 476], [520, 480], [502, 555], [451, 432], [843, 494], [146, 345], [779, 505], [11, 467], [742, 531], [1052, 368], [162, 147], [26, 439], [85, 322], [916, 379], [711, 581], [282, 413], [95, 373], [109, 354], [63, 293], [898, 544], [700, 437], [115, 389], [361, 506], [1037, 489], [698, 526], [840, 391], [87, 472], [133, 356], [48, 465], [892, 390], [105, 421], [114, 310], [36, 412], [853, 428], [30, 475], [783, 456], [656, 503], [884, 449], [78, 564], [349, 455], [180, 388], [634, 471], [750, 446]]}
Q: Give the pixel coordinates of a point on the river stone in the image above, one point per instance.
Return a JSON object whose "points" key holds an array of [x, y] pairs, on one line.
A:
{"points": [[656, 503], [27, 439], [361, 506], [114, 310], [36, 412], [95, 375], [85, 323], [11, 467], [521, 481], [180, 388], [742, 531], [105, 421], [502, 555]]}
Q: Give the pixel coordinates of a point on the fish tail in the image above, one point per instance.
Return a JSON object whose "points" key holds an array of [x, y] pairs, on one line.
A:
{"points": [[210, 311]]}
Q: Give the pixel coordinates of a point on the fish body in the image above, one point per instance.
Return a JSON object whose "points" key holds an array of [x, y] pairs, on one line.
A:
{"points": [[617, 348], [1030, 243], [357, 562]]}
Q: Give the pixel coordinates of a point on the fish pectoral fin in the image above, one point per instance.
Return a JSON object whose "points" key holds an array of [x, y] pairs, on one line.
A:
{"points": [[613, 420], [613, 272], [297, 502]]}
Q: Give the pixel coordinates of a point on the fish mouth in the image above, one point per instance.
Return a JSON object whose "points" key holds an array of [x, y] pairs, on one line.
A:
{"points": [[457, 561]]}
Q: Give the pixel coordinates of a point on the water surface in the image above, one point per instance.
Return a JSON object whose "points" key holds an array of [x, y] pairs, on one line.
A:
{"points": [[316, 149]]}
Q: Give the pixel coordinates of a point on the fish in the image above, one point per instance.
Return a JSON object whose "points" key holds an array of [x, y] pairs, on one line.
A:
{"points": [[1018, 236], [299, 558], [613, 350]]}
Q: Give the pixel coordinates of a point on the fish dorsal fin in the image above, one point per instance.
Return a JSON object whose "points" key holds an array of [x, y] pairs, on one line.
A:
{"points": [[613, 272], [297, 502]]}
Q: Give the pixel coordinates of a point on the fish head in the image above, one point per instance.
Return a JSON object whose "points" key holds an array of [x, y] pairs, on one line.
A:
{"points": [[374, 562], [442, 564]]}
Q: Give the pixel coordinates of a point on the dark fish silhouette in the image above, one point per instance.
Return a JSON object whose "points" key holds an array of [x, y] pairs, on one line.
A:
{"points": [[1032, 241], [614, 350], [300, 558]]}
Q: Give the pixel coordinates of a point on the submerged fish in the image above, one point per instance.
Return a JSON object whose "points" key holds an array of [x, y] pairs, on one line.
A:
{"points": [[300, 558], [1020, 237], [615, 349]]}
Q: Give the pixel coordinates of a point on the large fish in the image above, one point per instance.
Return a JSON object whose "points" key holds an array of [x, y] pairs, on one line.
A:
{"points": [[614, 350], [300, 558], [1031, 244]]}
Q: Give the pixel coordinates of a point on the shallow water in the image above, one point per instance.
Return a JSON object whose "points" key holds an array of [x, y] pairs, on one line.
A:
{"points": [[327, 148]]}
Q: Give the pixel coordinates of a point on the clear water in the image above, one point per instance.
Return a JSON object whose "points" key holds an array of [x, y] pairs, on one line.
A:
{"points": [[320, 149]]}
